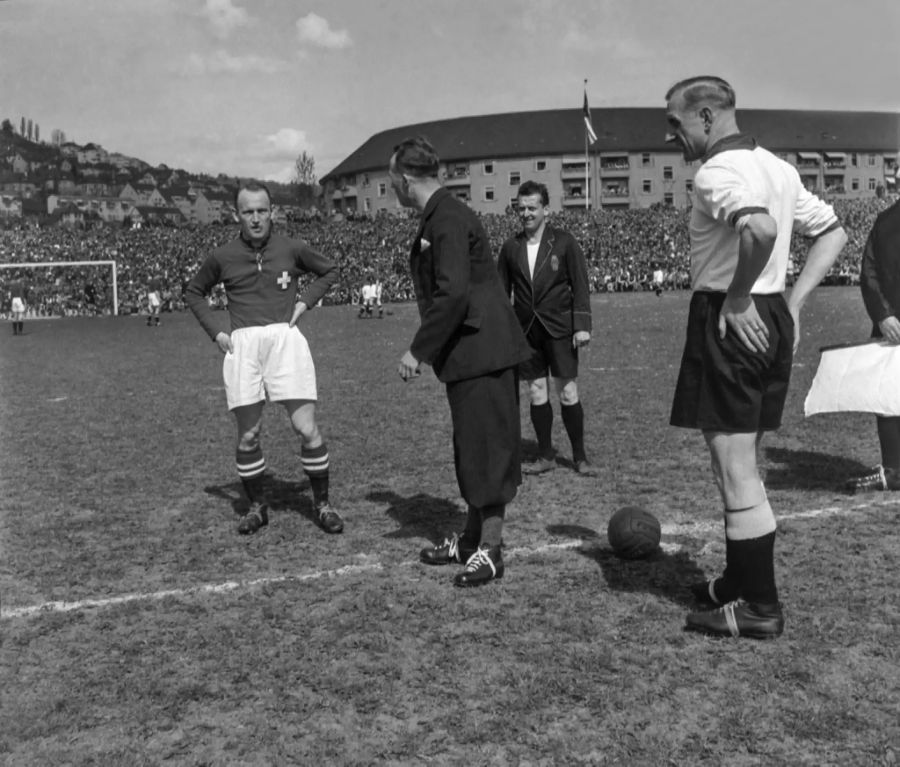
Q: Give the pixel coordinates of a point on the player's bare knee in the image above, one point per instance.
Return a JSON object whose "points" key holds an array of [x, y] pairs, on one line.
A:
{"points": [[568, 391]]}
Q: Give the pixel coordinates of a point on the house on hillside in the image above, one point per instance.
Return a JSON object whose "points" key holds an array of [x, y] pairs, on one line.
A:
{"points": [[91, 154], [144, 215], [212, 207], [10, 206]]}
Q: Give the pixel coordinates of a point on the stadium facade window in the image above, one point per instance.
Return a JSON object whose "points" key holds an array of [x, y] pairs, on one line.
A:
{"points": [[367, 204], [689, 185], [540, 165], [365, 181], [854, 159], [871, 184], [487, 168], [647, 186], [646, 160], [854, 184], [515, 178], [871, 159], [382, 188], [488, 194], [667, 172], [669, 199]]}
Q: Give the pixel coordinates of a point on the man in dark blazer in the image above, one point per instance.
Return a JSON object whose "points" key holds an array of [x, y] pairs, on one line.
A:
{"points": [[879, 280], [470, 337], [545, 271]]}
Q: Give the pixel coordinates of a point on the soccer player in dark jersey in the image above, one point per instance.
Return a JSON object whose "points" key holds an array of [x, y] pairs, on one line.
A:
{"points": [[265, 352], [17, 306]]}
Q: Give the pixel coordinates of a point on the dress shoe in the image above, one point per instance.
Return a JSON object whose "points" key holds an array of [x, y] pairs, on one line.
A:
{"points": [[739, 619], [453, 549], [876, 478], [329, 520], [257, 516], [540, 466], [484, 565]]}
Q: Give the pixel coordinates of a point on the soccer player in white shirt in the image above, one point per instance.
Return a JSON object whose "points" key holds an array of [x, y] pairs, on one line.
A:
{"points": [[741, 333]]}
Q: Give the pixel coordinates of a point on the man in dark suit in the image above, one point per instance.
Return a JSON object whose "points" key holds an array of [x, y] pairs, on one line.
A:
{"points": [[470, 337], [545, 271]]}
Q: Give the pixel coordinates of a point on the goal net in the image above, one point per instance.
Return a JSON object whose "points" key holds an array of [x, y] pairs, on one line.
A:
{"points": [[62, 288]]}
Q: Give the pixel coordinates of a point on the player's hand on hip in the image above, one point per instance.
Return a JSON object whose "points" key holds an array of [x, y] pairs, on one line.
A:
{"points": [[409, 367], [890, 329], [739, 313], [581, 338], [224, 341], [299, 308]]}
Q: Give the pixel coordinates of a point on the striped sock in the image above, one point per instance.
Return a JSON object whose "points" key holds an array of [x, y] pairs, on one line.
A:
{"points": [[251, 466], [315, 463]]}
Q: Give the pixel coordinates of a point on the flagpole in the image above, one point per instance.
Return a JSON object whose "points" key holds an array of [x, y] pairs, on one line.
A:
{"points": [[587, 164]]}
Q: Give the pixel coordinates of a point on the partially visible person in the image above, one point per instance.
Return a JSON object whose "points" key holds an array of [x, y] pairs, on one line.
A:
{"points": [[741, 334], [469, 335], [544, 270], [17, 305], [266, 355], [154, 301], [879, 280], [370, 297]]}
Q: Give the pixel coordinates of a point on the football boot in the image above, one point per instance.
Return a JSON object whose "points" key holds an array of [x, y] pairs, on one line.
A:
{"points": [[739, 619], [453, 549], [257, 516], [484, 565], [329, 520]]}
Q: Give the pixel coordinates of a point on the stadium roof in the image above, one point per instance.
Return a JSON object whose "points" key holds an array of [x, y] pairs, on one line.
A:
{"points": [[631, 129]]}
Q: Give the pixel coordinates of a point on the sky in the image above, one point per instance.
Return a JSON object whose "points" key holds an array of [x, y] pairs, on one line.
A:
{"points": [[242, 87]]}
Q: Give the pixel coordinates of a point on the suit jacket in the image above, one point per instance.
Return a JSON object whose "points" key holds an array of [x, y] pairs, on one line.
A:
{"points": [[879, 276], [468, 328], [557, 296]]}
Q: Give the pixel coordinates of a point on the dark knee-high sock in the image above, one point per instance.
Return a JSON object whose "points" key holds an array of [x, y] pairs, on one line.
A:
{"points": [[315, 464], [889, 439], [472, 531], [542, 420], [492, 524], [573, 419], [752, 536], [251, 467]]}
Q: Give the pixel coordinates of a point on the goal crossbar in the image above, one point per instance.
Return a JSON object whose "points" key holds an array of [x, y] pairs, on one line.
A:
{"points": [[50, 264]]}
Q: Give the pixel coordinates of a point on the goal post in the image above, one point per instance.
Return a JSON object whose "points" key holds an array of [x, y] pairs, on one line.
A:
{"points": [[52, 264]]}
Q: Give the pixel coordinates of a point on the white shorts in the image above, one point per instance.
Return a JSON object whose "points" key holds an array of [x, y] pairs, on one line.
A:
{"points": [[18, 305], [271, 360], [154, 300]]}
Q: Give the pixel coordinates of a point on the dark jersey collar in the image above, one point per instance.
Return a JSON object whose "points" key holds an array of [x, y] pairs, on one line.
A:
{"points": [[734, 141]]}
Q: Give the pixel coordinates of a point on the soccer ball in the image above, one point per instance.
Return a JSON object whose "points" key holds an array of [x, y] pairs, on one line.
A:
{"points": [[633, 533]]}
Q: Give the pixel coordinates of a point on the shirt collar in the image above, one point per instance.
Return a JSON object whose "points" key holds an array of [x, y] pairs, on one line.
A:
{"points": [[734, 141]]}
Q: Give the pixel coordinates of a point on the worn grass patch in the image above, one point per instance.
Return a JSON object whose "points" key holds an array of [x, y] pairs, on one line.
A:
{"points": [[192, 645]]}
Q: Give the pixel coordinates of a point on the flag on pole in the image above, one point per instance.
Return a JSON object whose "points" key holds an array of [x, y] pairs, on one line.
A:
{"points": [[592, 137]]}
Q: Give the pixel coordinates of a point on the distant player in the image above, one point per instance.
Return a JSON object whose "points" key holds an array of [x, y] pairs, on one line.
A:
{"points": [[266, 355], [741, 334], [154, 301], [18, 304], [370, 297]]}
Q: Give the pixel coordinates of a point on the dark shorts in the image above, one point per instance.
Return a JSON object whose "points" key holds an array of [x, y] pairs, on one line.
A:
{"points": [[555, 355], [722, 385]]}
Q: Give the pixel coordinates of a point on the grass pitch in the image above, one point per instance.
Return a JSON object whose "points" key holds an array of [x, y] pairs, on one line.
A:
{"points": [[138, 628]]}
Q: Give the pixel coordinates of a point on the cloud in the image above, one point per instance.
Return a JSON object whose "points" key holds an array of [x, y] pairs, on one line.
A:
{"points": [[222, 62], [315, 30], [224, 16], [286, 142]]}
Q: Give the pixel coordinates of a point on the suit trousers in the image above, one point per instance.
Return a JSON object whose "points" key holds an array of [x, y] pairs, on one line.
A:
{"points": [[486, 437]]}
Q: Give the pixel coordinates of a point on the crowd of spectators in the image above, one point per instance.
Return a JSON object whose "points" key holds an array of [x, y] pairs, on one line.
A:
{"points": [[625, 250]]}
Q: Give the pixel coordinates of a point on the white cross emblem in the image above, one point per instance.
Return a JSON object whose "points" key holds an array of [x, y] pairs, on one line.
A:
{"points": [[284, 281]]}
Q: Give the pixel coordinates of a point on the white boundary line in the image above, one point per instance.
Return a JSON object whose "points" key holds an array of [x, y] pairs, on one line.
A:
{"points": [[228, 586]]}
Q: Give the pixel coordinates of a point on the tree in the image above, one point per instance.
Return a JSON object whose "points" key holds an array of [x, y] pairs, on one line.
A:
{"points": [[305, 179], [6, 126], [37, 132], [22, 126], [30, 128], [305, 167]]}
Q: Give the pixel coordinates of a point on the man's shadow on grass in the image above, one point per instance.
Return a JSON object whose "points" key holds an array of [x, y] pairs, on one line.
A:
{"points": [[282, 495], [662, 574], [419, 515], [808, 470]]}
